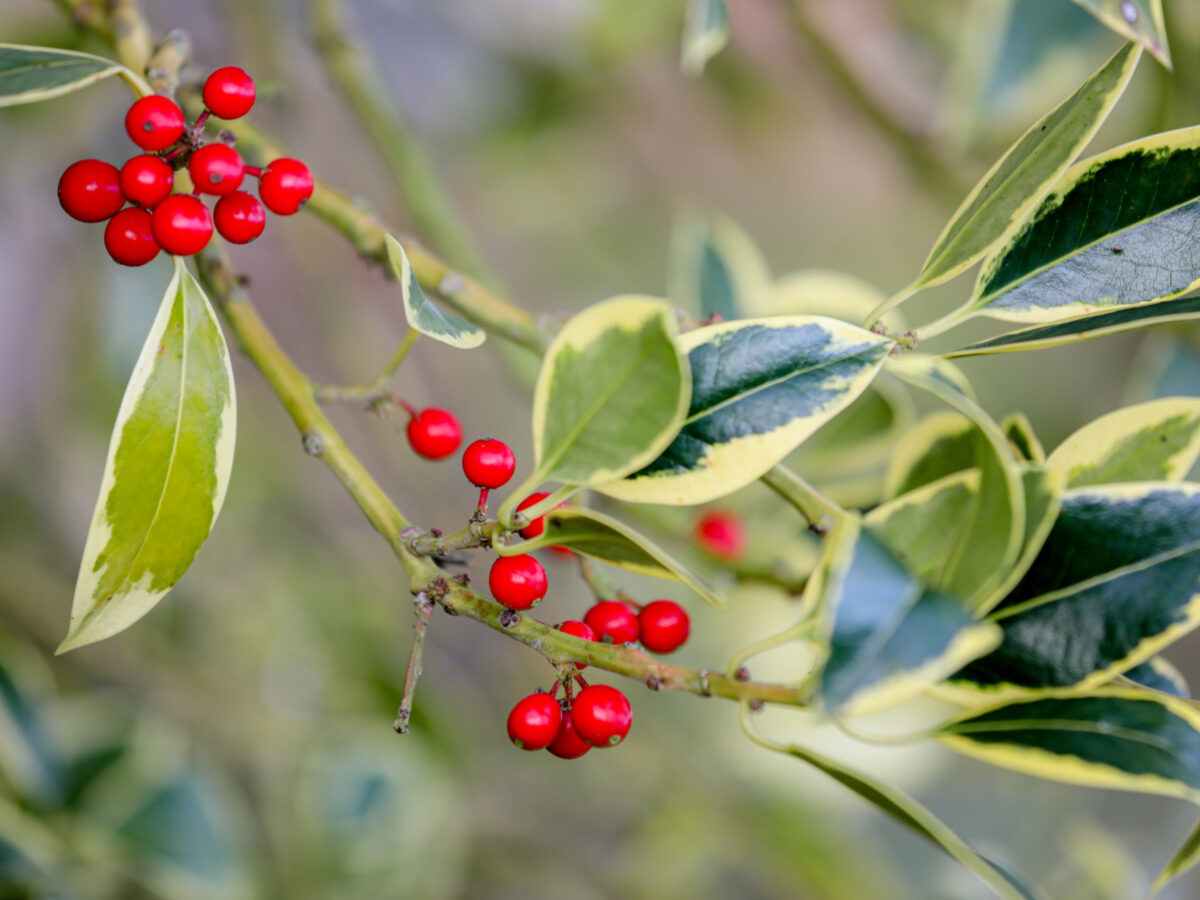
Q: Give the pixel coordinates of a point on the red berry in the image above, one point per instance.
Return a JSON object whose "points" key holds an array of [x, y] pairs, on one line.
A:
{"points": [[723, 534], [613, 622], [285, 185], [602, 715], [216, 169], [434, 433], [664, 626], [88, 190], [128, 239], [568, 744], [488, 463], [154, 123], [146, 180], [579, 630], [538, 526], [534, 722], [181, 225], [229, 92], [239, 217], [518, 582]]}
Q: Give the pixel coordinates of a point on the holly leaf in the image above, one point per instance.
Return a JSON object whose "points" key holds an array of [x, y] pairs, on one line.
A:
{"points": [[603, 537], [705, 34], [1155, 441], [760, 388], [423, 315], [32, 74], [1137, 20], [1015, 185], [612, 393], [167, 470]]}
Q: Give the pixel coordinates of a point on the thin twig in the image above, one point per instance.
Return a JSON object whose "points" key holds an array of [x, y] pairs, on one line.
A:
{"points": [[424, 609], [375, 389]]}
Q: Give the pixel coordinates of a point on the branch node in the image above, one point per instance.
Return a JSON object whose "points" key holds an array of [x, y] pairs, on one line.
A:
{"points": [[509, 618], [654, 683], [742, 674], [705, 690], [314, 443]]}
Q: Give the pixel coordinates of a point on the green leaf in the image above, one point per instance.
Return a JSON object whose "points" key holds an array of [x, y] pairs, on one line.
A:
{"points": [[891, 638], [1158, 674], [914, 816], [705, 33], [1024, 442], [760, 387], [612, 393], [716, 268], [1185, 857], [1117, 738], [31, 74], [939, 445], [1043, 492], [920, 527], [1155, 441], [1027, 172], [990, 542], [1085, 328], [167, 470], [603, 537], [1114, 232], [1137, 20], [423, 315], [1116, 581]]}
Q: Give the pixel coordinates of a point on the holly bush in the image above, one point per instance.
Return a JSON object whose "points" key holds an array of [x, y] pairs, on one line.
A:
{"points": [[947, 562]]}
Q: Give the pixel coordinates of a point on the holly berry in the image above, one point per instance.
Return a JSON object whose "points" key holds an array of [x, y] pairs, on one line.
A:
{"points": [[518, 582], [602, 715], [579, 630], [181, 225], [128, 238], [535, 721], [216, 169], [146, 180], [434, 433], [538, 526], [89, 191], [229, 92], [488, 463], [154, 123], [613, 622], [664, 626], [723, 534], [567, 744], [239, 217], [285, 185]]}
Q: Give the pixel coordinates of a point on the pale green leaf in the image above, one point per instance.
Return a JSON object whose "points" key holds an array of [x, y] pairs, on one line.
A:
{"points": [[1026, 173], [603, 537], [1154, 441], [167, 470], [1137, 20], [423, 315], [705, 33], [612, 393], [31, 74]]}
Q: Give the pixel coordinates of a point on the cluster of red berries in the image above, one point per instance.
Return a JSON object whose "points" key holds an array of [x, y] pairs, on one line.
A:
{"points": [[598, 716], [157, 219]]}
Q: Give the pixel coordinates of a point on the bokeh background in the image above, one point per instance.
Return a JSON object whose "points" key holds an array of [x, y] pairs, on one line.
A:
{"points": [[237, 742]]}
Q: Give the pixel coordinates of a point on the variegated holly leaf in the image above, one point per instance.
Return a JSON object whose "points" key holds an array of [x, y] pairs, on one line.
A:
{"points": [[31, 74], [167, 470], [759, 388], [423, 315]]}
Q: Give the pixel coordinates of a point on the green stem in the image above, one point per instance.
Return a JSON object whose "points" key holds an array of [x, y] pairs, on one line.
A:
{"points": [[890, 303], [819, 510], [945, 323], [599, 582], [353, 74], [476, 534], [375, 388]]}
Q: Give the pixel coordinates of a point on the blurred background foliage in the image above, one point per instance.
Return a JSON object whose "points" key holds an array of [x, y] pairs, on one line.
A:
{"points": [[237, 742]]}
